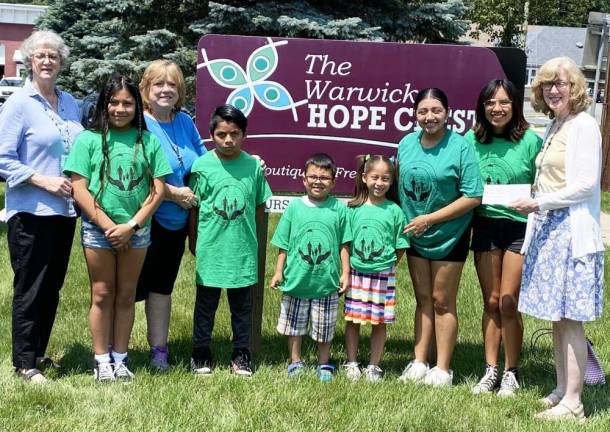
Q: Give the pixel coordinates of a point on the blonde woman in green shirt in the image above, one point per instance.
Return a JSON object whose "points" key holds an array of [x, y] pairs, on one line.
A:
{"points": [[506, 150]]}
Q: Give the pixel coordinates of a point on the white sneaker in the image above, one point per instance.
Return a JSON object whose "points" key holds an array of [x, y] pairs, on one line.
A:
{"points": [[373, 373], [103, 371], [489, 381], [437, 377], [509, 384], [415, 371], [352, 371], [121, 372]]}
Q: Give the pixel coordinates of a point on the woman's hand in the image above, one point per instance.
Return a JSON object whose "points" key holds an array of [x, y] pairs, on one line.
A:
{"points": [[59, 186], [261, 161], [524, 205], [184, 197], [119, 235], [417, 226]]}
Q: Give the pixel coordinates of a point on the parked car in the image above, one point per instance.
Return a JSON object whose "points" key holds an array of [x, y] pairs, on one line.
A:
{"points": [[8, 85]]}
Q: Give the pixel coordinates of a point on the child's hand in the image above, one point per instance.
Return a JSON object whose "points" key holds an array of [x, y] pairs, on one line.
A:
{"points": [[192, 246], [343, 283], [276, 280], [119, 235]]}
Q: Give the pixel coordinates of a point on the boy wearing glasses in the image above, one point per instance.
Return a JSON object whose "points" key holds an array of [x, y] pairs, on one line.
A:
{"points": [[312, 267]]}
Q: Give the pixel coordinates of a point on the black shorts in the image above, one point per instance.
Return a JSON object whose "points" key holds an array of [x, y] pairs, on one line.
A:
{"points": [[497, 233], [459, 253], [162, 261]]}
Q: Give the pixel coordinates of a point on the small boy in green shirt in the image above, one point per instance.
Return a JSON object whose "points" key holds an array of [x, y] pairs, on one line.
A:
{"points": [[232, 190], [312, 265]]}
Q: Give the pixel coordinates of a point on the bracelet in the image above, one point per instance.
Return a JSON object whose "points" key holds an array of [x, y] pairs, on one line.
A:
{"points": [[133, 224]]}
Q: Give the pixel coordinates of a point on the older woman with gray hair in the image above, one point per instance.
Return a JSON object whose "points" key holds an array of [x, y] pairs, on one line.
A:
{"points": [[563, 272], [39, 123]]}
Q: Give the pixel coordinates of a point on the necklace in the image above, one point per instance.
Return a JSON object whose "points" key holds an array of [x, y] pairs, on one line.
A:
{"points": [[64, 134], [171, 141], [557, 125]]}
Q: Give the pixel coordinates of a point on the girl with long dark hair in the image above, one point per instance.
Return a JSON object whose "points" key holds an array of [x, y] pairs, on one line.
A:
{"points": [[117, 170]]}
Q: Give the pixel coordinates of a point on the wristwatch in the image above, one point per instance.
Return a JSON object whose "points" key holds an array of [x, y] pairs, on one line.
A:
{"points": [[133, 224]]}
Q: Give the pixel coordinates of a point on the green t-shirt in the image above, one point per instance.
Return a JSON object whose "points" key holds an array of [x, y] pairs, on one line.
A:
{"points": [[506, 162], [128, 181], [312, 235], [377, 233], [229, 192], [433, 178]]}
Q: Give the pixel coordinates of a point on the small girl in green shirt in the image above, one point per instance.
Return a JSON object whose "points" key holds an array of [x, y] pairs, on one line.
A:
{"points": [[379, 243]]}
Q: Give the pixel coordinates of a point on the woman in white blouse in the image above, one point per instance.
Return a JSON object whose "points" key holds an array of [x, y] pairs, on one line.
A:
{"points": [[563, 271]]}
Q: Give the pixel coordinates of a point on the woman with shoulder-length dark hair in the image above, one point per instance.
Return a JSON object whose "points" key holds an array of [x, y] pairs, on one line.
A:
{"points": [[39, 123], [563, 272], [506, 150]]}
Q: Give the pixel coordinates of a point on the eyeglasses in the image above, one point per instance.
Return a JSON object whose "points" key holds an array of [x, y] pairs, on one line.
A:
{"points": [[314, 179], [504, 103], [547, 85], [52, 57]]}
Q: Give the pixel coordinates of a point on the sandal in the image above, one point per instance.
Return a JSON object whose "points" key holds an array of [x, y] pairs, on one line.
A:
{"points": [[295, 369], [562, 412], [31, 375], [325, 372], [551, 400]]}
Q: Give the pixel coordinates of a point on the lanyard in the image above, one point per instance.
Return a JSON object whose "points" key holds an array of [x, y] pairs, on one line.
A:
{"points": [[171, 141]]}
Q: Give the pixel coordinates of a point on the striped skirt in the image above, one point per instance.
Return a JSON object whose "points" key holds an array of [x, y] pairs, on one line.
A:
{"points": [[371, 297]]}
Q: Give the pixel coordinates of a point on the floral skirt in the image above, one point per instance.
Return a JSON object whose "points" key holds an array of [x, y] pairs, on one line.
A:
{"points": [[371, 297], [554, 285]]}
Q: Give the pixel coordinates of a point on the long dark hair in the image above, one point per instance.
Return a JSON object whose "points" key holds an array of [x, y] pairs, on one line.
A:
{"points": [[361, 191], [100, 123], [515, 128]]}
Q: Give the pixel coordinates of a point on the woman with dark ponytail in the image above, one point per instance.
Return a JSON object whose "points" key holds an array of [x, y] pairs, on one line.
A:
{"points": [[117, 169]]}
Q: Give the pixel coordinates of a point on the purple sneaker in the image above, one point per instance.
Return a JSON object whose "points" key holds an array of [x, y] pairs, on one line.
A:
{"points": [[158, 358]]}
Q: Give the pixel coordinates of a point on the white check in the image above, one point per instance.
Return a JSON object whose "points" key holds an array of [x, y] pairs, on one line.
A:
{"points": [[504, 194]]}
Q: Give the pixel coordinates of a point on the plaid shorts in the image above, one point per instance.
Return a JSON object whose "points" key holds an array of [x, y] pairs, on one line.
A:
{"points": [[320, 315]]}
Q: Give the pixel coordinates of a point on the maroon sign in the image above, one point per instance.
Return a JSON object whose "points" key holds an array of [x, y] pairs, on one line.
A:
{"points": [[303, 96]]}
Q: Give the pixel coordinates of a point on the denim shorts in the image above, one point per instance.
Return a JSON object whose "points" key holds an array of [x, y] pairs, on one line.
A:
{"points": [[93, 237]]}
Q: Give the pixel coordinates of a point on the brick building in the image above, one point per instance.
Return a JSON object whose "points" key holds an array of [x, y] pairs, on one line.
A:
{"points": [[16, 23]]}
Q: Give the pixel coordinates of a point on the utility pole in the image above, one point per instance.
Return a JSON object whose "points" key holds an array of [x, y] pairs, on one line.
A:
{"points": [[605, 126]]}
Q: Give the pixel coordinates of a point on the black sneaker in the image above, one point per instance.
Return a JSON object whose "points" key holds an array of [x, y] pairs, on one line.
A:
{"points": [[240, 365], [201, 361]]}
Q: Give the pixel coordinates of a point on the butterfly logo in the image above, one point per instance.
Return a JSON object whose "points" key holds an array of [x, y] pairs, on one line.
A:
{"points": [[254, 83]]}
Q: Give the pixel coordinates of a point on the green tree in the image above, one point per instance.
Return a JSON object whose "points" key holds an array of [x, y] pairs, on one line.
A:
{"points": [[125, 35], [503, 20], [389, 20], [122, 36]]}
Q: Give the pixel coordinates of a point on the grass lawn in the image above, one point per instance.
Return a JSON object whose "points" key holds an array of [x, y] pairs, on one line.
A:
{"points": [[268, 401]]}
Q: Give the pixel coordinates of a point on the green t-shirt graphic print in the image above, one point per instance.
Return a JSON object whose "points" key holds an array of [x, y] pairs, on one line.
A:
{"points": [[312, 235], [229, 192], [128, 181]]}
